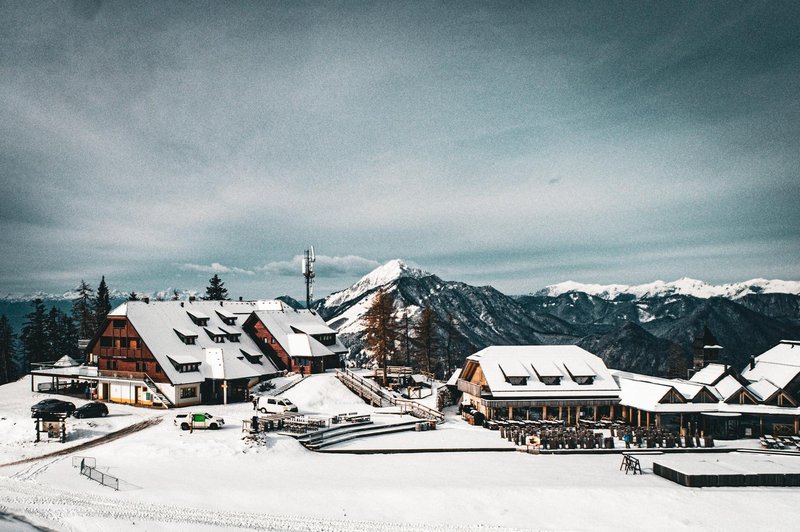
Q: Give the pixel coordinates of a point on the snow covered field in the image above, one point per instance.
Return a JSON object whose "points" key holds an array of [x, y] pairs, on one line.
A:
{"points": [[209, 480]]}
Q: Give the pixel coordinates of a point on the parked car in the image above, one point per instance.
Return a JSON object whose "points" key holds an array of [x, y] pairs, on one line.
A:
{"points": [[93, 409], [198, 420], [52, 406], [275, 405]]}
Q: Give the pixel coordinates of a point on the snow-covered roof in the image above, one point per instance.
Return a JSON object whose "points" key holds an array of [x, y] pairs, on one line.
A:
{"points": [[645, 393], [551, 360], [780, 364], [762, 389], [728, 387], [66, 362], [286, 323], [688, 389], [709, 374], [453, 380], [158, 321]]}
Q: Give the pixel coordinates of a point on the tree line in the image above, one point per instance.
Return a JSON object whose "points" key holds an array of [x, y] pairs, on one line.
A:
{"points": [[49, 334], [428, 344]]}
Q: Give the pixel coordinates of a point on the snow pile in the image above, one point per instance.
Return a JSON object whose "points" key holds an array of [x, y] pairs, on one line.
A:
{"points": [[683, 286], [324, 394]]}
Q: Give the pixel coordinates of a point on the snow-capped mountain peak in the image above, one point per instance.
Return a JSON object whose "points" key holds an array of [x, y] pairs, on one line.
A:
{"points": [[683, 286], [381, 276]]}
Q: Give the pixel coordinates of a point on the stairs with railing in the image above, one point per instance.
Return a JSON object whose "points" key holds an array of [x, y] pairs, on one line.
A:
{"points": [[372, 393], [151, 385]]}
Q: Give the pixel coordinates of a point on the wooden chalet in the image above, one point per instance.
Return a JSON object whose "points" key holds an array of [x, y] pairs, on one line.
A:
{"points": [[298, 340], [538, 382], [172, 353]]}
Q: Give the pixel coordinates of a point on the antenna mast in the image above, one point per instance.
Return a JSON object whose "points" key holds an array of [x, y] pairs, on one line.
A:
{"points": [[308, 272]]}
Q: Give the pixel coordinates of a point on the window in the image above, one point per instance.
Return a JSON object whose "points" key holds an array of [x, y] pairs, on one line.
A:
{"points": [[118, 324], [105, 341], [133, 343], [551, 380], [158, 368], [517, 381], [188, 393], [141, 366], [123, 342]]}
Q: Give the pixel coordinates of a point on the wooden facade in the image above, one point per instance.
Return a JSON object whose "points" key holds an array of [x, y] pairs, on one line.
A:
{"points": [[119, 351]]}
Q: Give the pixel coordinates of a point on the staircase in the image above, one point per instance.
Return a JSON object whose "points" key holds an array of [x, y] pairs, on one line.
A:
{"points": [[375, 395], [151, 385], [323, 438], [291, 384]]}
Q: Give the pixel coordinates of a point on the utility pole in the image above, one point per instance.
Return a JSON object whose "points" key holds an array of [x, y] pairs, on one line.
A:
{"points": [[308, 272]]}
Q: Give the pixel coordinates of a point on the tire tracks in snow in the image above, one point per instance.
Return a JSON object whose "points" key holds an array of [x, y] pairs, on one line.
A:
{"points": [[121, 433], [58, 508]]}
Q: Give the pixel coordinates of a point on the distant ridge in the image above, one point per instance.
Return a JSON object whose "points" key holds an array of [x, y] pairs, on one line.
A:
{"points": [[684, 286]]}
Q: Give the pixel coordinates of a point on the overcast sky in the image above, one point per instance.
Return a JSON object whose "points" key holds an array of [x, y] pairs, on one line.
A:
{"points": [[511, 144]]}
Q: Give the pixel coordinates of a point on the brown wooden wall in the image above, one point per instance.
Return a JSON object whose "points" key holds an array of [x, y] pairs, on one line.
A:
{"points": [[125, 357], [275, 349]]}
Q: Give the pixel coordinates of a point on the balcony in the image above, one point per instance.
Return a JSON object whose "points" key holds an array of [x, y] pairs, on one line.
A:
{"points": [[469, 387]]}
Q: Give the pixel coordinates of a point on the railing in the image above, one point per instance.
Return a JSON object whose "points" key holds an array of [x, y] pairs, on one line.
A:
{"points": [[151, 385], [469, 387], [377, 396], [91, 472]]}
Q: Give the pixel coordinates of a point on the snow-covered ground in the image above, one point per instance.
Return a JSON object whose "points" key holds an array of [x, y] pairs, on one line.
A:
{"points": [[208, 480]]}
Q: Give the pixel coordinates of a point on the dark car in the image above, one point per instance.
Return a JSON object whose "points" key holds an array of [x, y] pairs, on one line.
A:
{"points": [[52, 406], [91, 410]]}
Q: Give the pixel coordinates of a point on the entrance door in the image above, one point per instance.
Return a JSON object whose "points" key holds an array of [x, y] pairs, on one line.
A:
{"points": [[106, 392]]}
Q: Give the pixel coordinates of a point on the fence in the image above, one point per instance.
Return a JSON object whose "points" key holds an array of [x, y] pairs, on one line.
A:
{"points": [[89, 469]]}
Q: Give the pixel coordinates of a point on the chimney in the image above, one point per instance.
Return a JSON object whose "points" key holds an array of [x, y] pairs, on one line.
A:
{"points": [[240, 298], [752, 362]]}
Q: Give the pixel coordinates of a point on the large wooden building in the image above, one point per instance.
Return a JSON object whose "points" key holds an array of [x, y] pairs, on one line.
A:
{"points": [[179, 353], [538, 382], [718, 400]]}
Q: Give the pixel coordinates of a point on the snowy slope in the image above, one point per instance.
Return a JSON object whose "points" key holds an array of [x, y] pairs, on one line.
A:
{"points": [[683, 286]]}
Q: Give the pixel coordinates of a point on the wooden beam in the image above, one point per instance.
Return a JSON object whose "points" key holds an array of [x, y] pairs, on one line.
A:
{"points": [[544, 412], [595, 413], [639, 417]]}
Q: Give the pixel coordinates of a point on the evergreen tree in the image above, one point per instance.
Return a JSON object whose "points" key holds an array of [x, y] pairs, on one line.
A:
{"points": [[175, 295], [380, 329], [407, 338], [677, 362], [83, 311], [62, 334], [133, 296], [216, 290], [426, 341], [102, 303], [35, 347], [7, 351]]}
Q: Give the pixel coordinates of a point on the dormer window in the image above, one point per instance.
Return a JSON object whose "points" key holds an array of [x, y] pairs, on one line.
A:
{"points": [[253, 359], [583, 380], [517, 381], [514, 373], [580, 372], [198, 318], [186, 336], [551, 381], [231, 336], [226, 317], [216, 334], [183, 364]]}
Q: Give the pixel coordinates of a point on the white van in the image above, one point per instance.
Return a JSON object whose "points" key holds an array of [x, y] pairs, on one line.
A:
{"points": [[275, 405]]}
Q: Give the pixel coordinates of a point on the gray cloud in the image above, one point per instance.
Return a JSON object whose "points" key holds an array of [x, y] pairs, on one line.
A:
{"points": [[133, 137], [215, 267], [348, 265]]}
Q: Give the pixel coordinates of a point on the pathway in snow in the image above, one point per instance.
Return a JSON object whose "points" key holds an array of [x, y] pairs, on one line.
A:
{"points": [[65, 510], [131, 429]]}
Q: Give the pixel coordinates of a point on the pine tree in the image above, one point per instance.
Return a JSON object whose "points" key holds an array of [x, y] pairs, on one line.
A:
{"points": [[425, 339], [102, 303], [35, 347], [7, 351], [216, 290], [83, 311], [62, 334], [133, 296], [677, 362], [175, 295], [380, 329], [407, 338]]}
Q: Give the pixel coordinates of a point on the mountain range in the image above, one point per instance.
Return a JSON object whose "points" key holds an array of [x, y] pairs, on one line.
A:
{"points": [[633, 328], [636, 328]]}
